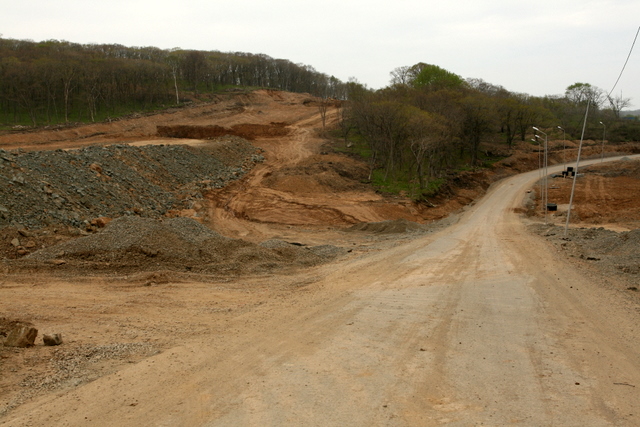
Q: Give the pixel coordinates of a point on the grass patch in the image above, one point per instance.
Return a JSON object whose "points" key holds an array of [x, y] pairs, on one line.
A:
{"points": [[433, 187], [355, 145], [80, 116], [391, 185], [404, 186]]}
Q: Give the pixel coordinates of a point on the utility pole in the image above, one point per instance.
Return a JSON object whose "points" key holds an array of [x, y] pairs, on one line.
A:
{"points": [[604, 133], [546, 187]]}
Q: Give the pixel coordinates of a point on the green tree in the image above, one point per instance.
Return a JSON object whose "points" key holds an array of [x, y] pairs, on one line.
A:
{"points": [[478, 119], [430, 143], [434, 77], [580, 93], [194, 65]]}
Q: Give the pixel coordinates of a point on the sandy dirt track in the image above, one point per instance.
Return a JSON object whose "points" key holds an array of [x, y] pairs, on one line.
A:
{"points": [[479, 324]]}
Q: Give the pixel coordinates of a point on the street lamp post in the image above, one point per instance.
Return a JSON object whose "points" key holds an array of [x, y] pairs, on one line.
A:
{"points": [[543, 182], [604, 133], [537, 140], [564, 148], [539, 156], [546, 191]]}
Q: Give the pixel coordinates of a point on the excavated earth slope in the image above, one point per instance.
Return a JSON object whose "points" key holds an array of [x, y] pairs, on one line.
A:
{"points": [[206, 236]]}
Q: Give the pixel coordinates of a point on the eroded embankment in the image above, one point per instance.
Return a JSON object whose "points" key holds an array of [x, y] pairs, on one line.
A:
{"points": [[247, 131]]}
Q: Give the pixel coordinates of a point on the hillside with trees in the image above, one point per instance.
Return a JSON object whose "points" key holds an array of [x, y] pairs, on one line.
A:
{"points": [[53, 82], [429, 122]]}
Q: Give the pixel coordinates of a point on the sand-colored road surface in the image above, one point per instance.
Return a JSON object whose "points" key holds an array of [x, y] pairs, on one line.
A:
{"points": [[478, 324]]}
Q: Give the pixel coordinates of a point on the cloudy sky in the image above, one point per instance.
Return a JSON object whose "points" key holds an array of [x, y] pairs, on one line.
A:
{"points": [[538, 47]]}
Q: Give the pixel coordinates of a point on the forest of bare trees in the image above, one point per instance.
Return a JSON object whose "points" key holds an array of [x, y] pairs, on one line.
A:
{"points": [[53, 81]]}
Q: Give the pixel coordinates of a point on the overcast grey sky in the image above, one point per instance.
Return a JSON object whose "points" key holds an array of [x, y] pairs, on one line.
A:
{"points": [[538, 47]]}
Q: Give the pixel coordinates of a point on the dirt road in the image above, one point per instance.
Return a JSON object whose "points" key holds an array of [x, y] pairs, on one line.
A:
{"points": [[479, 324]]}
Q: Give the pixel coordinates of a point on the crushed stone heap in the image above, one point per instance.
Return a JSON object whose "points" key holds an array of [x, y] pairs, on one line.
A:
{"points": [[72, 187], [177, 244]]}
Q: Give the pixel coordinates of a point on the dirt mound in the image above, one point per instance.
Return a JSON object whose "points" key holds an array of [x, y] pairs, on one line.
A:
{"points": [[180, 244], [624, 167], [389, 227], [317, 175], [248, 131]]}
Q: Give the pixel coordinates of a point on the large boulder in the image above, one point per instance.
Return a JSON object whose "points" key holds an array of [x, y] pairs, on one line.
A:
{"points": [[21, 335]]}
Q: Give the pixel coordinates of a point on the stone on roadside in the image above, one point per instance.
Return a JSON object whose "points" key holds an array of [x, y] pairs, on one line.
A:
{"points": [[21, 335], [25, 233], [53, 339], [101, 222]]}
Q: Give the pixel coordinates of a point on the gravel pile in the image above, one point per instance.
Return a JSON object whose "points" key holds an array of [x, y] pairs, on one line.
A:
{"points": [[179, 244], [612, 253], [72, 187]]}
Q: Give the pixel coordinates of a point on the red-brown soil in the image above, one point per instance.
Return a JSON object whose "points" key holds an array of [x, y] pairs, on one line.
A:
{"points": [[193, 325], [606, 195]]}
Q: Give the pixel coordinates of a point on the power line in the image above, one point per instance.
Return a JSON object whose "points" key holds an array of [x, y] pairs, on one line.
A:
{"points": [[625, 63], [586, 114]]}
